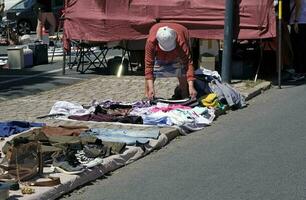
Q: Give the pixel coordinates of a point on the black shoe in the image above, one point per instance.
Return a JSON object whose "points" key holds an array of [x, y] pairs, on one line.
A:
{"points": [[291, 76], [64, 165], [296, 77], [94, 151]]}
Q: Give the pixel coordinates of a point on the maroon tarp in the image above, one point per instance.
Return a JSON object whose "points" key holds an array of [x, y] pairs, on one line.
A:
{"points": [[115, 20]]}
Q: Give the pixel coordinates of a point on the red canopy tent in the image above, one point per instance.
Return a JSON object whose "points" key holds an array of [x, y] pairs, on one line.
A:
{"points": [[103, 21], [116, 20]]}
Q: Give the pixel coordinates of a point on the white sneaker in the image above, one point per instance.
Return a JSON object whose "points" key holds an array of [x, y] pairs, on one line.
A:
{"points": [[93, 163]]}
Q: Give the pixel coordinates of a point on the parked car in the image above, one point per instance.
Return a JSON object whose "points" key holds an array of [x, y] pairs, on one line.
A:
{"points": [[26, 17], [9, 3]]}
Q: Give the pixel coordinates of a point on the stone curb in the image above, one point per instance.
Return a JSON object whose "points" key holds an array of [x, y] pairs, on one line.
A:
{"points": [[258, 89]]}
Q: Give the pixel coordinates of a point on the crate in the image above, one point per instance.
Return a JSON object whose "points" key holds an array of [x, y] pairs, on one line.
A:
{"points": [[15, 57]]}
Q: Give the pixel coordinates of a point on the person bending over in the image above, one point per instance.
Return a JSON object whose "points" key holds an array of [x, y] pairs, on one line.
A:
{"points": [[167, 54]]}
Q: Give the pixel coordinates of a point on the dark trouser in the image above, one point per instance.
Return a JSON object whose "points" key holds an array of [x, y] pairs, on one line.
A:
{"points": [[287, 52], [299, 47]]}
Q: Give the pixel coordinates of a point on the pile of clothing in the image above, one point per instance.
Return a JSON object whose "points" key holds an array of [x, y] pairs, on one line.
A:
{"points": [[214, 97]]}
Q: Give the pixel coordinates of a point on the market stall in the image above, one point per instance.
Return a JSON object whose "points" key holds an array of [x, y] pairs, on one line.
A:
{"points": [[108, 21]]}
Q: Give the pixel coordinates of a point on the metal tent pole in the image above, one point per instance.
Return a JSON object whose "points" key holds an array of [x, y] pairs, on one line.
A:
{"points": [[279, 42], [228, 41], [64, 51]]}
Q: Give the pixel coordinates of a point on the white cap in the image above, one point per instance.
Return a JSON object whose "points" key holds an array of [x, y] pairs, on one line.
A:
{"points": [[166, 38]]}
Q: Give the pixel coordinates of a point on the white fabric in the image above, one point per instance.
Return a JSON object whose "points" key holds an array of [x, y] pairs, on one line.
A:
{"points": [[204, 118], [180, 117], [25, 39], [141, 111], [207, 72], [166, 38], [68, 108]]}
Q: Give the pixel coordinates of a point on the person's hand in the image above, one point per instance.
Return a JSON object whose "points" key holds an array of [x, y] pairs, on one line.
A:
{"points": [[149, 85], [192, 92], [150, 93]]}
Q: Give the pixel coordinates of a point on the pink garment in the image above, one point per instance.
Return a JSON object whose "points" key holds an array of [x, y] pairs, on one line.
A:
{"points": [[169, 108]]}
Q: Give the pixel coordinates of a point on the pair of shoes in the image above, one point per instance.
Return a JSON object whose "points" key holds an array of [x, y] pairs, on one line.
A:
{"points": [[61, 164], [296, 77], [289, 75], [93, 151], [93, 163], [65, 167], [86, 161], [82, 158]]}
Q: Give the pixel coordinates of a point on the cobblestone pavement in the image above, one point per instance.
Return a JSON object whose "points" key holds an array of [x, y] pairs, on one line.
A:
{"points": [[126, 88]]}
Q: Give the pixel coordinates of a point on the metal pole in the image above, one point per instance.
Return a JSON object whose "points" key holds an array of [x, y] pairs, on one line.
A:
{"points": [[228, 41], [64, 63], [279, 42], [64, 50]]}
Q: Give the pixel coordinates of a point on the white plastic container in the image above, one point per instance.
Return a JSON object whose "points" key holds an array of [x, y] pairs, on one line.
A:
{"points": [[15, 57]]}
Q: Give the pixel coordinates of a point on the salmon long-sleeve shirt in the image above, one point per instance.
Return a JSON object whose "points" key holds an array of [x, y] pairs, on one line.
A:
{"points": [[182, 51]]}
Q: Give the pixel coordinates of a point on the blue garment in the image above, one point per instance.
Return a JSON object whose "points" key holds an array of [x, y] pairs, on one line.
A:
{"points": [[128, 136], [13, 127], [159, 121], [231, 95]]}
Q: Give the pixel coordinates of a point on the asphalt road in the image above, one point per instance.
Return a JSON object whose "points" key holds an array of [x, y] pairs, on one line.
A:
{"points": [[254, 153]]}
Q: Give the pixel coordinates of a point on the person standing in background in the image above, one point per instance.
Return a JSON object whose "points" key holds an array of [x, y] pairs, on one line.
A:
{"points": [[298, 34], [45, 14]]}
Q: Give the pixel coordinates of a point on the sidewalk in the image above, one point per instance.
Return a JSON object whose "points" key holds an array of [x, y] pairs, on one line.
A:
{"points": [[126, 88]]}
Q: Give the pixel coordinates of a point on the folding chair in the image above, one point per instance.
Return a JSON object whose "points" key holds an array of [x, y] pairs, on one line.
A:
{"points": [[57, 37], [87, 56]]}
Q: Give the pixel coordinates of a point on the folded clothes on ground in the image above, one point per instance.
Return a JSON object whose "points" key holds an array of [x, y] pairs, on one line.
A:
{"points": [[13, 127], [128, 136]]}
